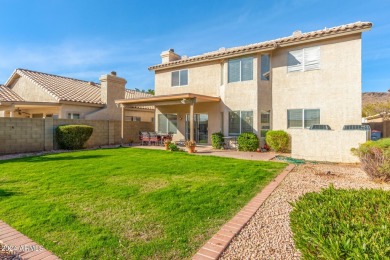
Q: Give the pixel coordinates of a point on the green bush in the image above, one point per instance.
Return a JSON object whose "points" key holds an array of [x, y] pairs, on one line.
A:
{"points": [[278, 140], [248, 142], [342, 224], [375, 158], [217, 140], [173, 147], [73, 136]]}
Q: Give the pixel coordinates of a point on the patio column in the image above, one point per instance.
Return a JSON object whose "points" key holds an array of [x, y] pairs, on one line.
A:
{"points": [[192, 121], [122, 123]]}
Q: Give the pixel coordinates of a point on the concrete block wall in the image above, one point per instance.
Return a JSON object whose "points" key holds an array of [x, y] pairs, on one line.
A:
{"points": [[20, 135]]}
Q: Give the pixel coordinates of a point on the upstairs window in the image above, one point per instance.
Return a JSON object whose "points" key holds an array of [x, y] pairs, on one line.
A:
{"points": [[179, 78], [304, 59], [240, 69], [265, 67]]}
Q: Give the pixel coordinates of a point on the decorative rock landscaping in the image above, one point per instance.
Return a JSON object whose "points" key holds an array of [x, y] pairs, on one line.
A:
{"points": [[268, 235]]}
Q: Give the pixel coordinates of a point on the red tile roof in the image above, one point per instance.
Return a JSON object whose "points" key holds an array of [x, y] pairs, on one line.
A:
{"points": [[68, 89], [6, 94], [295, 38]]}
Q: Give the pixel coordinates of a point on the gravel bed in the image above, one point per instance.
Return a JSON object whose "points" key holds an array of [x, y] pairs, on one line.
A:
{"points": [[268, 235]]}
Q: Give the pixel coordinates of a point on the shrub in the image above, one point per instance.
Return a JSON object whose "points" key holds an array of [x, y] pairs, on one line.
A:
{"points": [[248, 142], [278, 140], [73, 136], [173, 147], [217, 140], [342, 224], [375, 158]]}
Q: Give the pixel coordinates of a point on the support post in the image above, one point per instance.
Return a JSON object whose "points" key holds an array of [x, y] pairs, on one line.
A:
{"points": [[122, 123], [192, 121]]}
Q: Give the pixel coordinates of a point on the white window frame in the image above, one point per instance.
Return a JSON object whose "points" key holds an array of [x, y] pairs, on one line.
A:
{"points": [[167, 129], [72, 115], [240, 59], [240, 116], [180, 85], [303, 117], [303, 64]]}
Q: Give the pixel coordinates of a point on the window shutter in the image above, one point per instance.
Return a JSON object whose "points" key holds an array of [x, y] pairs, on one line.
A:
{"points": [[294, 118], [183, 77], [312, 58], [234, 70], [175, 78], [295, 61], [312, 117], [246, 69]]}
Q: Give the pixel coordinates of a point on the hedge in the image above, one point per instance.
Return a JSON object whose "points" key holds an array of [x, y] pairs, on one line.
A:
{"points": [[73, 137], [278, 140], [217, 140], [248, 142]]}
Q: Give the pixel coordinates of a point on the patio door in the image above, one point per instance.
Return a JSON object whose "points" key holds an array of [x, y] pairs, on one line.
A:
{"points": [[201, 124]]}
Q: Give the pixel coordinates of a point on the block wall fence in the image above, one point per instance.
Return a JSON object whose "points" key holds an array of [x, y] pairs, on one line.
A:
{"points": [[20, 135]]}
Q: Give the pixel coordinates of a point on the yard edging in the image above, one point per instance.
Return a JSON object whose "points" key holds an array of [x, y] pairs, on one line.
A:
{"points": [[221, 240], [22, 245]]}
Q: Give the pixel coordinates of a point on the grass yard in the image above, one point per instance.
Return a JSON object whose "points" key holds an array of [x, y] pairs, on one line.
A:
{"points": [[126, 203]]}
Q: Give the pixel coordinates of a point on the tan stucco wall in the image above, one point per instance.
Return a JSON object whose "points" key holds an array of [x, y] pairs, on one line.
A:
{"points": [[30, 91], [332, 146], [335, 88], [146, 116], [203, 79]]}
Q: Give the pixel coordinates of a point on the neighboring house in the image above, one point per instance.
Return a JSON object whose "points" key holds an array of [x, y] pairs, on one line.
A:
{"points": [[34, 94], [289, 83]]}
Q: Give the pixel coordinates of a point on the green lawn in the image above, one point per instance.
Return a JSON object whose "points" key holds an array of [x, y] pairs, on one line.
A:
{"points": [[126, 203]]}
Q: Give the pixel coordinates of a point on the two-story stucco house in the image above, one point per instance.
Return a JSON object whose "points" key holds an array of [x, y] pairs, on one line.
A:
{"points": [[288, 83], [32, 94]]}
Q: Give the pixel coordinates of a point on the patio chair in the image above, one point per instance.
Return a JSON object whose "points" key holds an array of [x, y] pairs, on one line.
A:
{"points": [[154, 138], [144, 137]]}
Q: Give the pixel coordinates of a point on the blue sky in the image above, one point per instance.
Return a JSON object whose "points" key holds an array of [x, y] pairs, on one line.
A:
{"points": [[87, 38]]}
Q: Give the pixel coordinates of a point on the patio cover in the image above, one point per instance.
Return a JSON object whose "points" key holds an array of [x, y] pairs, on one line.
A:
{"points": [[164, 100]]}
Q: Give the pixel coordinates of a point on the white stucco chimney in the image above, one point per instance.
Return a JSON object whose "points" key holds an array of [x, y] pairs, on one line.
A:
{"points": [[169, 55]]}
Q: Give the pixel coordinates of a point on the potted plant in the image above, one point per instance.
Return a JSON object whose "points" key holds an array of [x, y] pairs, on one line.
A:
{"points": [[191, 146], [166, 144]]}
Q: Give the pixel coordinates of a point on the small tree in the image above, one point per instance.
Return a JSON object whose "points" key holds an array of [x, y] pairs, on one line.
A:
{"points": [[73, 136], [248, 142], [278, 140]]}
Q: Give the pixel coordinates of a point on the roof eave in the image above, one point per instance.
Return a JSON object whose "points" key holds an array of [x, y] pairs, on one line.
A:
{"points": [[208, 59], [243, 52]]}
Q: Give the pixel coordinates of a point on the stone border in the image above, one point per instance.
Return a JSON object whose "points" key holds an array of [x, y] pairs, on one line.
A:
{"points": [[19, 244], [220, 241]]}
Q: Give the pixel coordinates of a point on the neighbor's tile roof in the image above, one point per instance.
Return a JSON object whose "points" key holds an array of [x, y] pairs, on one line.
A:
{"points": [[6, 94], [69, 89], [295, 38]]}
